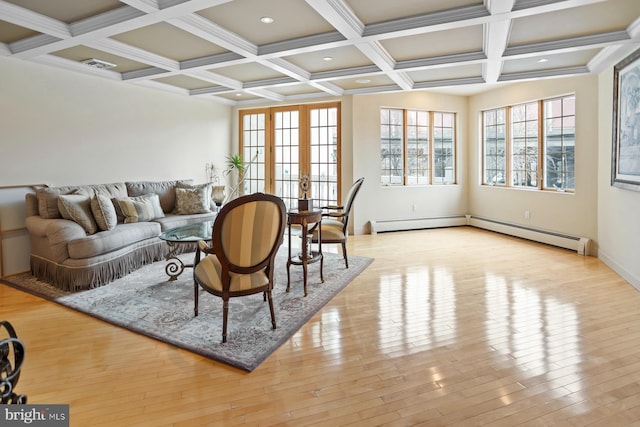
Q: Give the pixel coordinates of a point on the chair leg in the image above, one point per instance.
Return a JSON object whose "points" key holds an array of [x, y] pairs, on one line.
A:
{"points": [[225, 314], [273, 313], [196, 297], [344, 254]]}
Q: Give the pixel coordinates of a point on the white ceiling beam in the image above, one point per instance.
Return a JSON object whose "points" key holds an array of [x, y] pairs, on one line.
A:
{"points": [[114, 22], [495, 38], [340, 16], [264, 93], [214, 78], [22, 17], [146, 6], [207, 30], [287, 68], [568, 45], [328, 87], [154, 84]]}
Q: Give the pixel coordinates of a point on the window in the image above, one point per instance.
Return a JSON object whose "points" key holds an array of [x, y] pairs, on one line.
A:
{"points": [[416, 147], [530, 145]]}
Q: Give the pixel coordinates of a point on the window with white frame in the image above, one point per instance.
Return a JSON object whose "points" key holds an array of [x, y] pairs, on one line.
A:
{"points": [[417, 147], [530, 145]]}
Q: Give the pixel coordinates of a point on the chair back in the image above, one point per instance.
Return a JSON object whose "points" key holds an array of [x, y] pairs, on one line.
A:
{"points": [[248, 231], [351, 196]]}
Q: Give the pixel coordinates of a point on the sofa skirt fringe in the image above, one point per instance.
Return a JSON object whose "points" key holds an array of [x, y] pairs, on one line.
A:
{"points": [[78, 278]]}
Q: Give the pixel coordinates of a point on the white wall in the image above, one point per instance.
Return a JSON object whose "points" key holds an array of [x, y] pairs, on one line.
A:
{"points": [[381, 203], [618, 219], [567, 213], [59, 127]]}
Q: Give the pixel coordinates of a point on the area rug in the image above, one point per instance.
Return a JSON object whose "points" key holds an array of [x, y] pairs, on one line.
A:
{"points": [[146, 302]]}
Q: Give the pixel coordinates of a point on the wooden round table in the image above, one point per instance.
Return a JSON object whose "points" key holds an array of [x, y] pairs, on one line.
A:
{"points": [[304, 219]]}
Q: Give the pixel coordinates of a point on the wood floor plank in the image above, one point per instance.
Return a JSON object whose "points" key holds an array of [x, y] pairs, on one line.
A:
{"points": [[447, 327]]}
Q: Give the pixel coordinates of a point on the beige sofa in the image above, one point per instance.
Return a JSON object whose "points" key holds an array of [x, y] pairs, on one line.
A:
{"points": [[88, 235]]}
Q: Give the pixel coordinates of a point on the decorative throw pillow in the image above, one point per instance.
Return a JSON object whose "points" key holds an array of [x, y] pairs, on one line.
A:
{"points": [[77, 208], [104, 212], [141, 208], [193, 200]]}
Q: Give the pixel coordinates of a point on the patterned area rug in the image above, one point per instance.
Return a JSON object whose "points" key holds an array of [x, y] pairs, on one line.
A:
{"points": [[146, 302]]}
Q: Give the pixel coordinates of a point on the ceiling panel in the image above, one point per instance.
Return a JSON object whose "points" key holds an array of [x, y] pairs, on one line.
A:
{"points": [[295, 89], [550, 62], [10, 33], [196, 44], [435, 74], [292, 19], [355, 83], [185, 82], [372, 11], [68, 10], [611, 15], [439, 43], [330, 59], [169, 41], [248, 72]]}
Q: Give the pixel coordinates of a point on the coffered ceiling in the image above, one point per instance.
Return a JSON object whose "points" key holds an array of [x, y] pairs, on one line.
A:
{"points": [[220, 50]]}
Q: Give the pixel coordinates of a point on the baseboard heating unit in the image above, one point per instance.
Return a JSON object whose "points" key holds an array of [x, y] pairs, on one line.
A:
{"points": [[416, 223], [579, 244]]}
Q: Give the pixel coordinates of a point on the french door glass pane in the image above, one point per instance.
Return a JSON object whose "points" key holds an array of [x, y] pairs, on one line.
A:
{"points": [[324, 155], [253, 143], [287, 156]]}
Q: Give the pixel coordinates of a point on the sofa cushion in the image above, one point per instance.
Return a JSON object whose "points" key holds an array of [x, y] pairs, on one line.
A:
{"points": [[104, 242], [193, 200], [48, 196], [104, 212], [48, 200], [77, 208], [141, 208], [164, 189]]}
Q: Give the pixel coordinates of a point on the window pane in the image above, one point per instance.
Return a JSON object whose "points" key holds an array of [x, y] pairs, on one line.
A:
{"points": [[524, 145], [559, 143], [494, 147], [443, 148], [417, 147], [391, 147]]}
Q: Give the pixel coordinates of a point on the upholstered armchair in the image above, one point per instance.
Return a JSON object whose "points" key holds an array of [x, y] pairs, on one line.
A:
{"points": [[246, 236]]}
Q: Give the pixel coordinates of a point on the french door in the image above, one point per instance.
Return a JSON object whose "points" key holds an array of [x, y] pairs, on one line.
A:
{"points": [[286, 143]]}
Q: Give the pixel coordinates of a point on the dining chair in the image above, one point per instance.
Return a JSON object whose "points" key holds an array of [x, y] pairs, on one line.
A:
{"points": [[335, 221]]}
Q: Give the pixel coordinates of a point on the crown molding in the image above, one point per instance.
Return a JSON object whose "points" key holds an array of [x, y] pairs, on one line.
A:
{"points": [[539, 74]]}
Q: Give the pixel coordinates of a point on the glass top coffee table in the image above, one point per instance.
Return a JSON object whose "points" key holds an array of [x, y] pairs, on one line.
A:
{"points": [[191, 233]]}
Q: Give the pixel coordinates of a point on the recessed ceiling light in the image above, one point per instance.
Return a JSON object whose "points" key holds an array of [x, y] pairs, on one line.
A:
{"points": [[541, 60], [327, 58], [238, 94], [266, 20], [363, 81]]}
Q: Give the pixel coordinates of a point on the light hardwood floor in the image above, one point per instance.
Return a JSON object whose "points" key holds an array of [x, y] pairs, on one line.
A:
{"points": [[454, 326]]}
